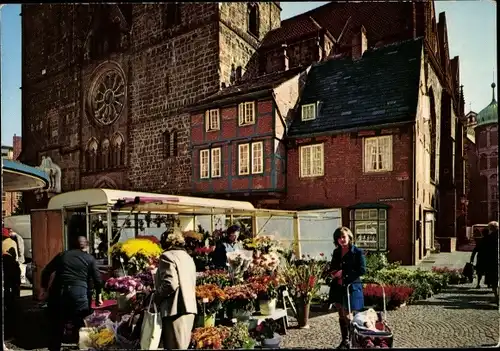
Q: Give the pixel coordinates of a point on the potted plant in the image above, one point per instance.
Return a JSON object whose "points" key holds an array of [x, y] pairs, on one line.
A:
{"points": [[210, 299], [302, 279], [209, 338], [266, 288], [241, 300], [239, 338], [265, 332], [126, 287]]}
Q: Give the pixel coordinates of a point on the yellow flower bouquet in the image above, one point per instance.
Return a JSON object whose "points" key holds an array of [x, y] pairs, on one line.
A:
{"points": [[102, 338], [136, 254]]}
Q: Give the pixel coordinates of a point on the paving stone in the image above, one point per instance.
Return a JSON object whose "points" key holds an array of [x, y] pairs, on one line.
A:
{"points": [[460, 317]]}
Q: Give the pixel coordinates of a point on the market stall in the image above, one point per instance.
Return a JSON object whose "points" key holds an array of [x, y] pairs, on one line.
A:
{"points": [[17, 176]]}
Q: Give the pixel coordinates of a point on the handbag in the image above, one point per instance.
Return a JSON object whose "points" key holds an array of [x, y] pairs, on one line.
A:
{"points": [[151, 328], [468, 271]]}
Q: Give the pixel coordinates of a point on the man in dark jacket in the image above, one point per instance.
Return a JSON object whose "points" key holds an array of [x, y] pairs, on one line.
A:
{"points": [[68, 297], [491, 251]]}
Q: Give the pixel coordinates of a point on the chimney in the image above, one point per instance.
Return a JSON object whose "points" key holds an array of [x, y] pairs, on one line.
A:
{"points": [[359, 44], [17, 146], [284, 57]]}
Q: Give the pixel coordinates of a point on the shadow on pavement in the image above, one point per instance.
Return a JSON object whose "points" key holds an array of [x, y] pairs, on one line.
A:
{"points": [[463, 300], [31, 325]]}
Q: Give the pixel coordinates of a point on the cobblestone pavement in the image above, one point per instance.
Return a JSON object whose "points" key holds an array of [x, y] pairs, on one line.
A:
{"points": [[460, 317]]}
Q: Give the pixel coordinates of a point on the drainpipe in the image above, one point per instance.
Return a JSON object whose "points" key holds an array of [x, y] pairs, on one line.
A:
{"points": [[414, 152]]}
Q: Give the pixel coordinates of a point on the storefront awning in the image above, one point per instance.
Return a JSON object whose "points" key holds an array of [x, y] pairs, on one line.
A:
{"points": [[20, 177]]}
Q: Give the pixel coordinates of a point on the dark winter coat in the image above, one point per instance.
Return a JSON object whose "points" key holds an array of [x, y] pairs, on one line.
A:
{"points": [[353, 266]]}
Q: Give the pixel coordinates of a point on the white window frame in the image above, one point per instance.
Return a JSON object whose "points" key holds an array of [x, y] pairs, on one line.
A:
{"points": [[369, 218], [258, 157], [308, 112], [372, 149], [307, 166], [215, 163], [246, 113], [205, 164], [243, 149], [212, 120]]}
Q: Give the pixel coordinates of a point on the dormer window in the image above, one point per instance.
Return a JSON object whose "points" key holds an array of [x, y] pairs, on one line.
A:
{"points": [[308, 112], [246, 113], [212, 120]]}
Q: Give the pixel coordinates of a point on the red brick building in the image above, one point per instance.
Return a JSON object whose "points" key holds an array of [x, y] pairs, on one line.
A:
{"points": [[237, 145], [103, 84]]}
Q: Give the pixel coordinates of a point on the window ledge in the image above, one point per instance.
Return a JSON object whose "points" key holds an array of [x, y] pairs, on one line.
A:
{"points": [[212, 130], [246, 124], [311, 177], [377, 172]]}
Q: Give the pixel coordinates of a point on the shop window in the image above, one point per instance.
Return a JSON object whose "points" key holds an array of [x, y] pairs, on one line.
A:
{"points": [[369, 228]]}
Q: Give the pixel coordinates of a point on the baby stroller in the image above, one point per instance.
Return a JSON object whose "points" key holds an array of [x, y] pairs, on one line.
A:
{"points": [[363, 338]]}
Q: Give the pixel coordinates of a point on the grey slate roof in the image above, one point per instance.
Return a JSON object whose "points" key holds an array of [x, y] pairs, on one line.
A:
{"points": [[380, 88]]}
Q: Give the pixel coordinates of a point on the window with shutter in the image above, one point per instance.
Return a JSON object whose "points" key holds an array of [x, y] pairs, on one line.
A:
{"points": [[311, 160], [243, 159], [257, 158], [378, 154]]}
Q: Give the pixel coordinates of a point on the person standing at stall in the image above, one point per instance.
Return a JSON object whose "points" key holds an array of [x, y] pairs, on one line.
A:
{"points": [[480, 251], [348, 264], [175, 293], [67, 297], [228, 244], [11, 281]]}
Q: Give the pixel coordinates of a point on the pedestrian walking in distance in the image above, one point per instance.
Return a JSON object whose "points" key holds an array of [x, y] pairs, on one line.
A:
{"points": [[176, 291], [68, 294], [480, 253], [491, 250]]}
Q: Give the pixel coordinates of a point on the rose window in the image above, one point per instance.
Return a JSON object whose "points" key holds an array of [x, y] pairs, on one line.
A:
{"points": [[107, 97]]}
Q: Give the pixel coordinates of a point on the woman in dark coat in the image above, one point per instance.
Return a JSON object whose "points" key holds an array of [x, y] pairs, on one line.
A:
{"points": [[347, 266], [481, 261]]}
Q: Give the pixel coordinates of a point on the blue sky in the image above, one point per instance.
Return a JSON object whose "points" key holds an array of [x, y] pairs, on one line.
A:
{"points": [[471, 33]]}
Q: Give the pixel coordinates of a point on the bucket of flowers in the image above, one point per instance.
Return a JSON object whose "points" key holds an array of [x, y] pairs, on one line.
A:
{"points": [[302, 279], [201, 256], [265, 333], [209, 338], [218, 277], [266, 287], [239, 262], [126, 287], [240, 301], [210, 299], [135, 255], [239, 338]]}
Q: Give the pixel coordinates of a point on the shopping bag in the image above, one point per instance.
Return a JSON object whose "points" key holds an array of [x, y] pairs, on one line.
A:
{"points": [[151, 327], [468, 272]]}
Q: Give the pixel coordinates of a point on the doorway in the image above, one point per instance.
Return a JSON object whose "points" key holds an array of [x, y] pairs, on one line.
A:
{"points": [[75, 224]]}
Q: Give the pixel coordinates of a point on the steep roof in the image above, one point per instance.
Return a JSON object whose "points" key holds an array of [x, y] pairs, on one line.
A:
{"points": [[260, 83], [382, 20], [380, 88], [489, 114]]}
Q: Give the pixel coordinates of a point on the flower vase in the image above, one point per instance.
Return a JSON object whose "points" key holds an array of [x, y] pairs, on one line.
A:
{"points": [[303, 314], [273, 343], [267, 307]]}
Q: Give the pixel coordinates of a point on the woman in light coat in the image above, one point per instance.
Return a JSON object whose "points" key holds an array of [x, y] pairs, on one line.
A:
{"points": [[176, 291]]}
